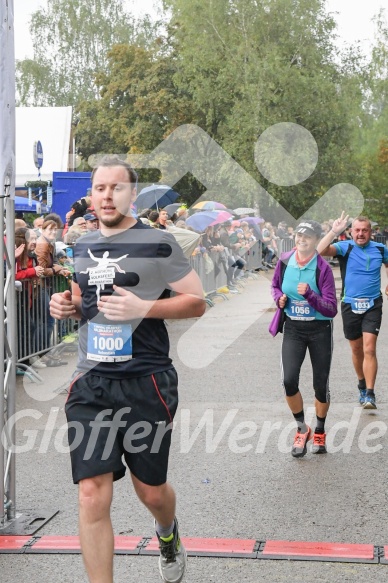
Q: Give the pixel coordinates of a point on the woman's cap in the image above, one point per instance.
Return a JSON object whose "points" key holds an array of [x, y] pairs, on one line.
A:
{"points": [[310, 228]]}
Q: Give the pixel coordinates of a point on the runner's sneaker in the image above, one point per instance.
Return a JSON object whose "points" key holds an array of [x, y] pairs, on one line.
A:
{"points": [[319, 443], [370, 402], [173, 558], [361, 399], [299, 447]]}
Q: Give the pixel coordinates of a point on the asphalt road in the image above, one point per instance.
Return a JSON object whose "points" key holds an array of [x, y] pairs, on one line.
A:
{"points": [[230, 464]]}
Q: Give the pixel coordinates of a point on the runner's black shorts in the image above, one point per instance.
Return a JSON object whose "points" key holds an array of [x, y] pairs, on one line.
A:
{"points": [[111, 419], [355, 324]]}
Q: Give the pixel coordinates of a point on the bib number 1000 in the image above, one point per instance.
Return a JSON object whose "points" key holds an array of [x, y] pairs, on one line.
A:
{"points": [[101, 343]]}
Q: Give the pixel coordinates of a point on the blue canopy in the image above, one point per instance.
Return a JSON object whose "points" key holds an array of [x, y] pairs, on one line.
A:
{"points": [[21, 205]]}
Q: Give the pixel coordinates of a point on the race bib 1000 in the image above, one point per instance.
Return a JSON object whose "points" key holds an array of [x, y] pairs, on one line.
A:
{"points": [[109, 342]]}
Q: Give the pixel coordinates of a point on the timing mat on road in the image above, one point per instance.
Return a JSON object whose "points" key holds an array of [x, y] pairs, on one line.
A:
{"points": [[208, 547]]}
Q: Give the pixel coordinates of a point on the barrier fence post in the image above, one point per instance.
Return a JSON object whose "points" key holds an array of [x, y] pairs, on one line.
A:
{"points": [[7, 250], [10, 521]]}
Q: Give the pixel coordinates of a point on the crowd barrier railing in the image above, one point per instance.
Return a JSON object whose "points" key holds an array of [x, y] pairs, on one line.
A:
{"points": [[37, 331], [212, 266], [285, 245], [380, 238]]}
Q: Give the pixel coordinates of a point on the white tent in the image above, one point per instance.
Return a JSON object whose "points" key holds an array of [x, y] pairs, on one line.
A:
{"points": [[52, 127]]}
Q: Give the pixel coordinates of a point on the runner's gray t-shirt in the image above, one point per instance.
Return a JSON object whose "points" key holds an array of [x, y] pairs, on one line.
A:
{"points": [[144, 261]]}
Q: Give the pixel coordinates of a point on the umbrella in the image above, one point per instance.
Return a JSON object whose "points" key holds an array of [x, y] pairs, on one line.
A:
{"points": [[156, 196], [172, 208], [209, 205], [222, 217], [200, 221], [243, 211], [253, 220]]}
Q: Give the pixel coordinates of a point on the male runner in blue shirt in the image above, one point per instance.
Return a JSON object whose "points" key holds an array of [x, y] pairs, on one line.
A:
{"points": [[361, 300]]}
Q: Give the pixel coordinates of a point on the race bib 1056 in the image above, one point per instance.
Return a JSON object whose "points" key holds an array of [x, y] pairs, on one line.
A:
{"points": [[300, 310]]}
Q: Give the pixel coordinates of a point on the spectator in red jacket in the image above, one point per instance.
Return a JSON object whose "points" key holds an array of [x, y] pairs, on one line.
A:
{"points": [[27, 268], [26, 265]]}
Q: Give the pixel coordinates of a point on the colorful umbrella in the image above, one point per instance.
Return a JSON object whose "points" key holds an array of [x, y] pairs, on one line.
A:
{"points": [[222, 217], [209, 205]]}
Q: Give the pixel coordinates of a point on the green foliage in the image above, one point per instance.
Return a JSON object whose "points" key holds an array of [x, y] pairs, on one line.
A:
{"points": [[249, 65], [232, 67], [139, 103], [71, 40], [372, 137], [37, 184]]}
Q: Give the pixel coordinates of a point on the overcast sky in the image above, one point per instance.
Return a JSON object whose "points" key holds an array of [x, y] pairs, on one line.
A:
{"points": [[354, 20]]}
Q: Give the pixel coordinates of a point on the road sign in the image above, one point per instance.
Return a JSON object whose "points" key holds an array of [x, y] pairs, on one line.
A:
{"points": [[38, 154]]}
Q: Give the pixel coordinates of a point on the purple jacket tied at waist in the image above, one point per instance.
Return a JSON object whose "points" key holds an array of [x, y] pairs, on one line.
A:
{"points": [[326, 303]]}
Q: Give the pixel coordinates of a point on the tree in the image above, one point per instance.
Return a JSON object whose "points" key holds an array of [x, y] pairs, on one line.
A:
{"points": [[71, 40], [235, 68], [139, 105], [249, 65], [372, 137]]}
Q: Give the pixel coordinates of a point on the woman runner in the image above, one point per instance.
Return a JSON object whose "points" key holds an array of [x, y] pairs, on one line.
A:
{"points": [[303, 285]]}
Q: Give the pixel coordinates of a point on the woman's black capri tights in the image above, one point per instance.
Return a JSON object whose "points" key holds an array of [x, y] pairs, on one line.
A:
{"points": [[317, 337]]}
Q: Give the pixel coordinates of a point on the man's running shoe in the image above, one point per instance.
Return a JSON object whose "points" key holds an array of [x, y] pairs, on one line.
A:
{"points": [[173, 558], [361, 399], [299, 447], [319, 443], [370, 402]]}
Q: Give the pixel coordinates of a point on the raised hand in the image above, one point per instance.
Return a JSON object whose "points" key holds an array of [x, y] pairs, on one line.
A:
{"points": [[340, 224], [19, 250]]}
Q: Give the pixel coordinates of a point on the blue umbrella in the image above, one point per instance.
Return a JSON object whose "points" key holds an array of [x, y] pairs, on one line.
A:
{"points": [[156, 196], [172, 208], [201, 220]]}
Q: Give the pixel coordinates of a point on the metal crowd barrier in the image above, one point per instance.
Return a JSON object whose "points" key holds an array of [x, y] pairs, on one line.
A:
{"points": [[37, 331], [285, 245], [380, 238], [213, 275]]}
